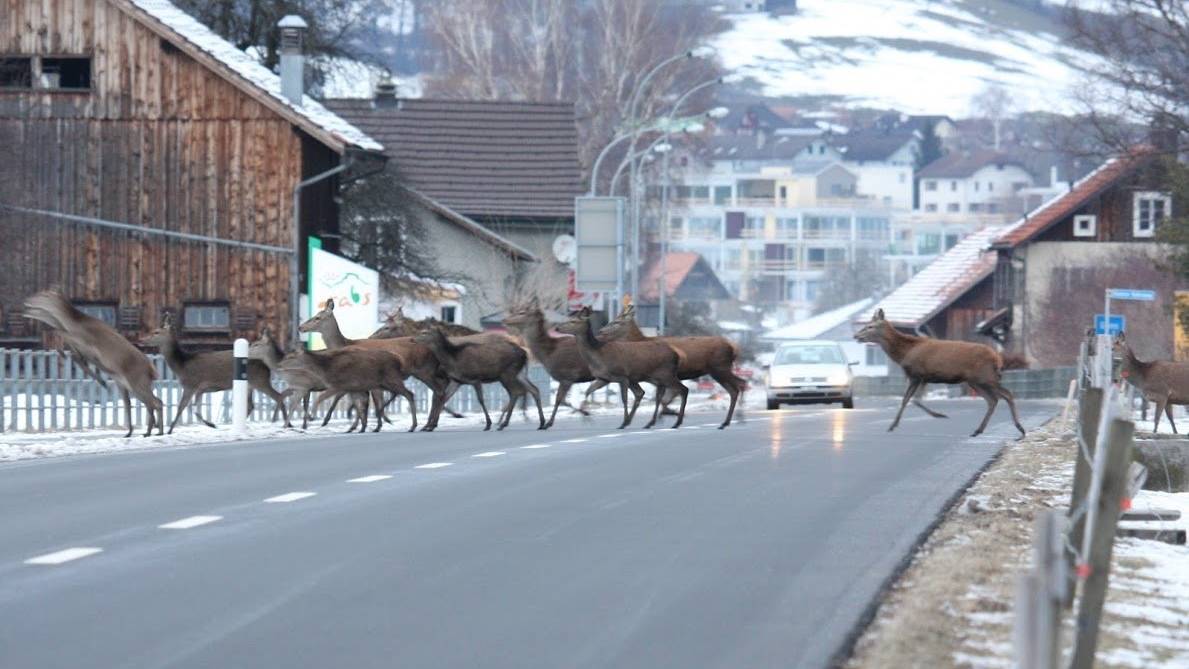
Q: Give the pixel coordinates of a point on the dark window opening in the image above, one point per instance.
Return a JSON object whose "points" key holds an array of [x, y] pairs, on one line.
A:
{"points": [[208, 317], [66, 73], [448, 314], [104, 311], [16, 72]]}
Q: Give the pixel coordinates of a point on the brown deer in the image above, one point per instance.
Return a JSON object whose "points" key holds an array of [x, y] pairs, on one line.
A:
{"points": [[484, 358], [559, 355], [101, 348], [207, 371], [355, 371], [713, 356], [628, 363], [1163, 382], [926, 360]]}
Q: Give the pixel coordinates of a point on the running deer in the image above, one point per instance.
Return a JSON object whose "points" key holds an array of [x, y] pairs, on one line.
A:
{"points": [[100, 347], [702, 356], [1161, 381], [479, 359], [926, 360], [629, 363], [207, 371], [356, 371], [416, 360], [559, 355]]}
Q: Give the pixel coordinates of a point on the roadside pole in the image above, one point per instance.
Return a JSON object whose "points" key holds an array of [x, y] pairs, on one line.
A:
{"points": [[239, 387]]}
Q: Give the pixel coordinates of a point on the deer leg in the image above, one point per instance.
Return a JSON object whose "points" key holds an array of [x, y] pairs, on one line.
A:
{"points": [[916, 399], [360, 401], [483, 405], [639, 395], [279, 405], [398, 387], [127, 410], [198, 392], [656, 410], [729, 382], [187, 395], [563, 389], [1156, 414], [681, 412], [532, 390], [378, 400], [1168, 412], [595, 386], [623, 393], [515, 392], [322, 397], [1011, 404], [912, 388], [988, 393]]}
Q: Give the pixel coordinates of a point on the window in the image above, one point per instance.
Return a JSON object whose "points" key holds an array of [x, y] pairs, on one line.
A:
{"points": [[784, 192], [931, 207], [930, 185], [65, 73], [976, 186], [1148, 210], [449, 313], [903, 177], [786, 227], [811, 291], [706, 227], [975, 206], [1084, 225], [722, 195], [951, 240], [104, 311], [953, 206], [990, 185], [734, 258], [928, 243], [873, 228], [206, 317], [953, 185], [992, 208], [16, 72]]}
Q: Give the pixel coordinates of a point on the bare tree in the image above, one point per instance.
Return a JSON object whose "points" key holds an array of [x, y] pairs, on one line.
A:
{"points": [[993, 103], [862, 277]]}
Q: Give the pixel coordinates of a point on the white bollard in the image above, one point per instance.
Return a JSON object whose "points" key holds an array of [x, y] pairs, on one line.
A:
{"points": [[239, 387]]}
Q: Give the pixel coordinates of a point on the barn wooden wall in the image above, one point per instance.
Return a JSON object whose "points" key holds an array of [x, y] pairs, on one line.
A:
{"points": [[159, 141]]}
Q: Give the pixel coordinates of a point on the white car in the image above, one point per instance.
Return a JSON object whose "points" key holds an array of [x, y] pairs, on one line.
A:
{"points": [[806, 372]]}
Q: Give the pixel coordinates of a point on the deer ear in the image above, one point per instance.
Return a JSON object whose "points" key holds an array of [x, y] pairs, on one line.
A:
{"points": [[879, 316], [330, 303]]}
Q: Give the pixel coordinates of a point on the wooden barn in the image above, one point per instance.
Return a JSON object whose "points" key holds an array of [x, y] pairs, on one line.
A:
{"points": [[150, 167]]}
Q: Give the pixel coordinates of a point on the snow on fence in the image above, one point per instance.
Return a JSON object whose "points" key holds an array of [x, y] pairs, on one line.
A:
{"points": [[44, 391]]}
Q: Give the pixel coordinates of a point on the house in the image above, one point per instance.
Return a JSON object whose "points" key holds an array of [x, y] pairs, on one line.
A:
{"points": [[685, 277], [509, 166], [152, 167], [752, 119], [883, 162], [972, 182], [836, 325]]}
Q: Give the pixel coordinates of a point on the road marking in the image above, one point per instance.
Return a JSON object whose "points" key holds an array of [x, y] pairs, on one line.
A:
{"points": [[187, 523], [289, 497], [574, 441], [370, 479], [709, 424], [535, 446], [63, 556], [611, 436], [434, 465], [488, 454], [692, 427]]}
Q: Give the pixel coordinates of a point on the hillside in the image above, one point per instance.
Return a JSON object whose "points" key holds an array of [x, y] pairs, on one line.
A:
{"points": [[919, 56]]}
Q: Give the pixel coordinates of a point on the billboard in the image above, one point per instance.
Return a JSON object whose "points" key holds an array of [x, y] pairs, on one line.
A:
{"points": [[354, 288], [598, 229]]}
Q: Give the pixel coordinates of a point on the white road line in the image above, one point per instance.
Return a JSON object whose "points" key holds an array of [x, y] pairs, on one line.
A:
{"points": [[434, 465], [289, 497], [63, 556], [611, 435], [574, 441], [488, 454], [187, 523], [370, 479], [535, 446], [709, 424]]}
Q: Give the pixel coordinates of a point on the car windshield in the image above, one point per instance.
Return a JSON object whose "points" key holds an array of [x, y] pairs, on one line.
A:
{"points": [[818, 354]]}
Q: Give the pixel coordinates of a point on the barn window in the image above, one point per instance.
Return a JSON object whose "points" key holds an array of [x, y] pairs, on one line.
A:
{"points": [[104, 311], [1149, 208], [65, 73], [16, 72], [207, 316], [1084, 225]]}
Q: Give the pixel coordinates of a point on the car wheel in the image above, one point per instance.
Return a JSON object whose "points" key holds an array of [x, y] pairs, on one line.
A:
{"points": [[773, 405], [848, 403]]}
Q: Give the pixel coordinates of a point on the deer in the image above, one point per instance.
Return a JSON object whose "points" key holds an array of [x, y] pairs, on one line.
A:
{"points": [[629, 363], [1163, 382], [207, 371], [705, 355], [479, 359], [357, 371], [926, 360], [559, 355], [101, 348]]}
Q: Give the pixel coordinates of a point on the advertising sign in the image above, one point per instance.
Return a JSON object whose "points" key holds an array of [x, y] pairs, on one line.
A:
{"points": [[354, 288]]}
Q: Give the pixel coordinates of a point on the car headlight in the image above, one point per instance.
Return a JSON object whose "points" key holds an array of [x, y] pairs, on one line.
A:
{"points": [[838, 379]]}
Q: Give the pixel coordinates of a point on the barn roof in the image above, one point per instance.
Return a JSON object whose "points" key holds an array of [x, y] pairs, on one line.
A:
{"points": [[1057, 209], [482, 158], [202, 44], [941, 282]]}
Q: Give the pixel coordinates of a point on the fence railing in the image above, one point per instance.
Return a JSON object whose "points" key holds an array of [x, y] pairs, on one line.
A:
{"points": [[45, 391]]}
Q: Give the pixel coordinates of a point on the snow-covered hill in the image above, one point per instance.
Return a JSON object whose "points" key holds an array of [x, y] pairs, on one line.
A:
{"points": [[919, 56]]}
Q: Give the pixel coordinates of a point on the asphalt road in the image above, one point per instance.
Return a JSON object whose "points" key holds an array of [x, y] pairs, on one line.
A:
{"points": [[584, 546]]}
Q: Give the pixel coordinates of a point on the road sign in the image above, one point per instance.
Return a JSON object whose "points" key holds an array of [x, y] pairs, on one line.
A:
{"points": [[1118, 324], [1132, 294], [598, 230]]}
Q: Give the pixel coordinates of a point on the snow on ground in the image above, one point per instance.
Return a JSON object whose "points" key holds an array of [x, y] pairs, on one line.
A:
{"points": [[892, 53]]}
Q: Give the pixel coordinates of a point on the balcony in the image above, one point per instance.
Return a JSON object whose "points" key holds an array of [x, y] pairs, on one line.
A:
{"points": [[778, 266], [841, 235]]}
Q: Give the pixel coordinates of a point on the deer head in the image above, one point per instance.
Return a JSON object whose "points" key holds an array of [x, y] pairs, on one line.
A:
{"points": [[577, 324], [264, 346], [875, 331], [432, 338], [528, 315], [294, 361], [320, 320], [161, 335]]}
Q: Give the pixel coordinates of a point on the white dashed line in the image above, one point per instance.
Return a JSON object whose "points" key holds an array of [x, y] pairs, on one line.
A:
{"points": [[434, 465], [535, 446], [192, 521], [370, 479], [488, 454], [63, 556], [289, 497], [709, 424], [611, 436], [574, 441]]}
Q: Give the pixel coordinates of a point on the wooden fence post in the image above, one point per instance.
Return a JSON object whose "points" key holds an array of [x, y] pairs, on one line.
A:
{"points": [[1039, 596], [1104, 509], [1089, 414]]}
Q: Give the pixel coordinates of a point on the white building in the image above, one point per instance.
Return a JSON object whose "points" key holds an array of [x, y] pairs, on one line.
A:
{"points": [[836, 325], [883, 161], [972, 182]]}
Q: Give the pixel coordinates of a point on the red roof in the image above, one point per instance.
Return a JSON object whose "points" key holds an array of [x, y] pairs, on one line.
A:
{"points": [[1062, 206], [677, 267]]}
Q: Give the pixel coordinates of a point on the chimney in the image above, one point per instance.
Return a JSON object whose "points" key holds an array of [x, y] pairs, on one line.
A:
{"points": [[293, 31], [385, 95]]}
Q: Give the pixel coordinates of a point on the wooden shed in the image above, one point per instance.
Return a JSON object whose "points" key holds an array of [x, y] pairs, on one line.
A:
{"points": [[150, 166]]}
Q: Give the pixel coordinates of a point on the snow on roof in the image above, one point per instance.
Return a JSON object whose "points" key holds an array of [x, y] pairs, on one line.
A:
{"points": [[812, 328], [248, 70], [941, 282], [734, 326]]}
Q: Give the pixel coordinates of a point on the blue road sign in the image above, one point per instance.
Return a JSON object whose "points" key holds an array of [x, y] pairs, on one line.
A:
{"points": [[1118, 324], [1130, 294]]}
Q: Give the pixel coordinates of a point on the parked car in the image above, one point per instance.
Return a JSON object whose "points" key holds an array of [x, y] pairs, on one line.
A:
{"points": [[807, 372]]}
